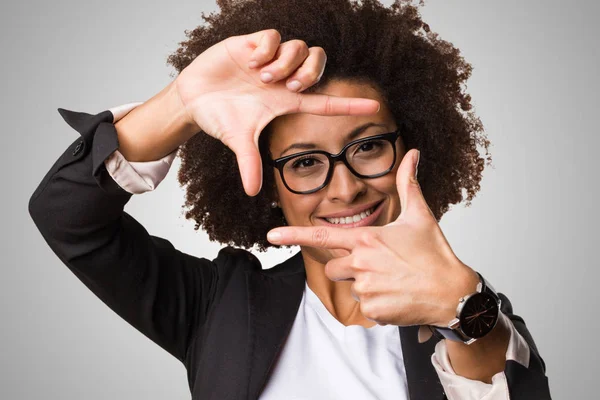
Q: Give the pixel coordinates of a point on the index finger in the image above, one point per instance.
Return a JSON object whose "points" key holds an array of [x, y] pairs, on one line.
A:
{"points": [[323, 104], [319, 236]]}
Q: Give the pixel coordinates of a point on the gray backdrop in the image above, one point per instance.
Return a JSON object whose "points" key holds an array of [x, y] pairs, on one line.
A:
{"points": [[530, 230]]}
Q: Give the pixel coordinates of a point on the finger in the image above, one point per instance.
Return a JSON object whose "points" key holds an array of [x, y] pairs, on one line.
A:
{"points": [[353, 293], [409, 190], [322, 104], [309, 72], [339, 269], [266, 43], [321, 237], [288, 58], [249, 164]]}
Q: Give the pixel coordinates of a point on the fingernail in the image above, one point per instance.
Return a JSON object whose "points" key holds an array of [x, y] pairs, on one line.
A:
{"points": [[273, 236], [417, 163], [294, 85], [252, 64], [266, 77]]}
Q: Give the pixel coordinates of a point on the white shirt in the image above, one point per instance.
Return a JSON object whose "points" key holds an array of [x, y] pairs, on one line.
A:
{"points": [[321, 357]]}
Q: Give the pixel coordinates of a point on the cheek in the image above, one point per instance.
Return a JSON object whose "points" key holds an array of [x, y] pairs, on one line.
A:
{"points": [[388, 187], [297, 209]]}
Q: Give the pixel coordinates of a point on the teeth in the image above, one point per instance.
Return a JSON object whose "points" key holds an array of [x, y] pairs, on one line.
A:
{"points": [[350, 220]]}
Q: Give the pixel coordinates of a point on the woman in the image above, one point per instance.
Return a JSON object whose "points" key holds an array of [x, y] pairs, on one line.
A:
{"points": [[339, 319]]}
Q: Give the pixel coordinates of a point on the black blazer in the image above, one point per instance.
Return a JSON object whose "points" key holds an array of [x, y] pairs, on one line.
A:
{"points": [[227, 319]]}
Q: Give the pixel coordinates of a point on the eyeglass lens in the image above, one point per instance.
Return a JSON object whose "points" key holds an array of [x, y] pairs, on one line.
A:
{"points": [[309, 171]]}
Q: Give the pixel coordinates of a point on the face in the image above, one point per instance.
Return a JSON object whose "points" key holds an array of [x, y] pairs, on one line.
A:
{"points": [[346, 195]]}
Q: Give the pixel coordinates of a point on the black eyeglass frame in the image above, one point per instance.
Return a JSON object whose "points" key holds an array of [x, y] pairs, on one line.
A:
{"points": [[333, 158]]}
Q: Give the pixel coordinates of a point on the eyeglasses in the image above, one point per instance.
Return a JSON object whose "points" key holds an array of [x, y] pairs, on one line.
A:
{"points": [[310, 171]]}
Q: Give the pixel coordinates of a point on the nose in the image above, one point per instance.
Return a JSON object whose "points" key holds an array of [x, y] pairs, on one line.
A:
{"points": [[344, 185]]}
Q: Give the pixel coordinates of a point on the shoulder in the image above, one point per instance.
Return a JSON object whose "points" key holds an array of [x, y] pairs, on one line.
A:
{"points": [[234, 258]]}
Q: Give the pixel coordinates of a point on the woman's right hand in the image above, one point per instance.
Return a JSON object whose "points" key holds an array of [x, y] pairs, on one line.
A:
{"points": [[228, 98]]}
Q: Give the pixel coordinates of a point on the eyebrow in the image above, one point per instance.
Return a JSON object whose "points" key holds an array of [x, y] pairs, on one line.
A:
{"points": [[310, 146]]}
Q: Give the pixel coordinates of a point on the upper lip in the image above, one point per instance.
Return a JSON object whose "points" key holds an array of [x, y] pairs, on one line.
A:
{"points": [[352, 211]]}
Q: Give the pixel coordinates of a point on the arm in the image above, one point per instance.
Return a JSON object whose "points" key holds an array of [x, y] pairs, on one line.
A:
{"points": [[521, 377], [78, 209], [136, 177], [155, 128]]}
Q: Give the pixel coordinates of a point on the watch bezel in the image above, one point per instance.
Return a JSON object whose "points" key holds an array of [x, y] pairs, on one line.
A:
{"points": [[465, 305], [453, 330]]}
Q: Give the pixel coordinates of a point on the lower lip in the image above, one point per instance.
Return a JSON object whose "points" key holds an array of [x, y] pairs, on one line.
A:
{"points": [[363, 222]]}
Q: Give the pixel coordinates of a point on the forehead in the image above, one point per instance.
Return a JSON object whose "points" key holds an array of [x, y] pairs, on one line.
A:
{"points": [[329, 132]]}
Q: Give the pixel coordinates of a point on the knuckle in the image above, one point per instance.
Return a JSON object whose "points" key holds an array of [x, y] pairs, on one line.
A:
{"points": [[307, 77], [357, 263], [273, 33], [299, 48], [318, 50], [366, 284], [320, 237], [359, 287], [299, 44], [370, 311], [369, 238], [261, 52], [329, 267]]}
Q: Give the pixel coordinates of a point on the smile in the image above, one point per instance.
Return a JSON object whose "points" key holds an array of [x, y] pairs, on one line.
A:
{"points": [[351, 219], [356, 218]]}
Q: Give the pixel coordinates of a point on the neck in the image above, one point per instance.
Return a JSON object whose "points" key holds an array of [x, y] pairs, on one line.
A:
{"points": [[335, 295]]}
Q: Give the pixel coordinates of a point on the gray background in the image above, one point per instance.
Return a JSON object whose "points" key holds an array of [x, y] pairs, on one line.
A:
{"points": [[530, 230]]}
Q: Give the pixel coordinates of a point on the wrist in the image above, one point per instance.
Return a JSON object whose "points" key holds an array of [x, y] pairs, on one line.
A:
{"points": [[178, 105], [465, 284], [155, 128], [476, 315], [484, 358]]}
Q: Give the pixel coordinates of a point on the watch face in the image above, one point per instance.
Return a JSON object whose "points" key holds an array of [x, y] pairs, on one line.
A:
{"points": [[479, 315]]}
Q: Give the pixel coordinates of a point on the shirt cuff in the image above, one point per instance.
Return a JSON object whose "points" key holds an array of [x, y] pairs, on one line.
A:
{"points": [[136, 177], [458, 387]]}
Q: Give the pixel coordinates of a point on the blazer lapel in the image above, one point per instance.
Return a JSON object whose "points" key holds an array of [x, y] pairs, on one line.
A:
{"points": [[274, 296]]}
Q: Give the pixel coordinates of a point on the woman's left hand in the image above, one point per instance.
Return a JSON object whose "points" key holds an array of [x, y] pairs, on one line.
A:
{"points": [[405, 273]]}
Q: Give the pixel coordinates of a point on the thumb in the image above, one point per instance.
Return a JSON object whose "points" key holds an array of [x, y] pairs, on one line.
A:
{"points": [[249, 163], [409, 190]]}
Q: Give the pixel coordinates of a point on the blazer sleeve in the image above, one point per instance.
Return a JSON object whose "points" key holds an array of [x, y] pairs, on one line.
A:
{"points": [[79, 210], [525, 382]]}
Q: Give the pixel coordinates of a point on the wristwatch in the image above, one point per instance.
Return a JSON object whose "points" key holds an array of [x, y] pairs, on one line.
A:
{"points": [[476, 315]]}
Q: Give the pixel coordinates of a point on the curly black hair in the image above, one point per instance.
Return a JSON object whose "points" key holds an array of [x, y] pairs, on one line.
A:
{"points": [[421, 77]]}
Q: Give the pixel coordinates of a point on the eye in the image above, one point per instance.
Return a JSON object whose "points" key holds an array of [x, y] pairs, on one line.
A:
{"points": [[369, 146], [305, 162]]}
